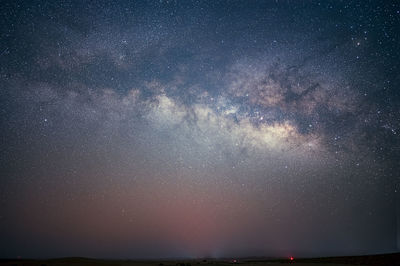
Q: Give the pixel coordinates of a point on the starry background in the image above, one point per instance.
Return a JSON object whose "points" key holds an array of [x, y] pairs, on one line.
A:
{"points": [[134, 129]]}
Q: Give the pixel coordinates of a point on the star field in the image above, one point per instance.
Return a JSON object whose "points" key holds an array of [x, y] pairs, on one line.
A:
{"points": [[156, 129]]}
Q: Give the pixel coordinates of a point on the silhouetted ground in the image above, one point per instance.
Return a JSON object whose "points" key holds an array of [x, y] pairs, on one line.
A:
{"points": [[384, 259]]}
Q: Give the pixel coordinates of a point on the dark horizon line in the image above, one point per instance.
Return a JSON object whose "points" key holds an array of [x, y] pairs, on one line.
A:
{"points": [[246, 258]]}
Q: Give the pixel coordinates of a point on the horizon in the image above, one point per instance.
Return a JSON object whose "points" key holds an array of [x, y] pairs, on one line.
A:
{"points": [[199, 128], [204, 259]]}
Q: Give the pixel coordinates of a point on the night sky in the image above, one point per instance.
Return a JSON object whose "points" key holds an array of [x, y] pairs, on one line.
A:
{"points": [[163, 129]]}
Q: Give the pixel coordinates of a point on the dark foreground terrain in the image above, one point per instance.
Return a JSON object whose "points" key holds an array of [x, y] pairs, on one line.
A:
{"points": [[384, 259]]}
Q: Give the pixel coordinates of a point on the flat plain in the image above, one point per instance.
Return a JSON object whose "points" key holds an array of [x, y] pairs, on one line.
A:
{"points": [[392, 259]]}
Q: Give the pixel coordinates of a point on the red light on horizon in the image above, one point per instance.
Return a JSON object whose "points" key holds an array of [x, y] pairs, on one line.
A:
{"points": [[291, 258]]}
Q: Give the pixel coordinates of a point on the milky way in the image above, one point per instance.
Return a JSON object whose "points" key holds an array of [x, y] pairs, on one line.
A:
{"points": [[193, 129]]}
